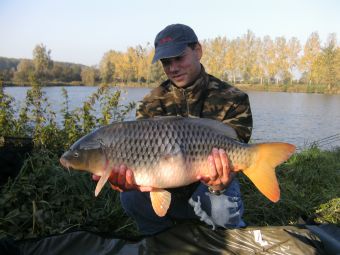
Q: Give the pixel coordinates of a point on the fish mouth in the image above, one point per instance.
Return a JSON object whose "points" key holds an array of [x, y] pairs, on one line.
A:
{"points": [[65, 163]]}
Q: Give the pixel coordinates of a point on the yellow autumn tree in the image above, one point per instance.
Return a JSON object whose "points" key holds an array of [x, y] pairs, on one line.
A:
{"points": [[232, 60], [328, 62], [257, 70], [142, 62], [281, 59], [311, 52], [337, 65], [293, 51], [214, 56], [248, 54]]}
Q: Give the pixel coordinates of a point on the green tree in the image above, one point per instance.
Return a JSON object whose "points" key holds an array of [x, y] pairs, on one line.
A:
{"points": [[42, 61], [156, 73], [7, 74], [130, 65], [143, 65], [6, 112], [24, 69], [337, 65], [107, 68], [88, 75], [328, 62], [56, 73]]}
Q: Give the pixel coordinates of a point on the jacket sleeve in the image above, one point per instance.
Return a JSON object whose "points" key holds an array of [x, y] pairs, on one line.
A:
{"points": [[239, 117]]}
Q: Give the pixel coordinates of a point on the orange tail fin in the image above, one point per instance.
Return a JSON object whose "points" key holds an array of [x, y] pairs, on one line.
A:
{"points": [[262, 171]]}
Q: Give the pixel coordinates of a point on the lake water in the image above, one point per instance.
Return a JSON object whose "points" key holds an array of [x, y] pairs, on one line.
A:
{"points": [[298, 118]]}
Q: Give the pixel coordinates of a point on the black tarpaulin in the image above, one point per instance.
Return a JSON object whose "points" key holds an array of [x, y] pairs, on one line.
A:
{"points": [[186, 239]]}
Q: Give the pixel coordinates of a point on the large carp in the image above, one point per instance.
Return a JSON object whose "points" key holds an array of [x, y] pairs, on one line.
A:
{"points": [[168, 152]]}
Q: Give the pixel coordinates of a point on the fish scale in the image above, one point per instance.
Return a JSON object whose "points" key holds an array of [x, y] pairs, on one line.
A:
{"points": [[168, 152], [192, 142]]}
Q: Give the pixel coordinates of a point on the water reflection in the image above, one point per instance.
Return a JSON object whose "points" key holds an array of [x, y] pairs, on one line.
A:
{"points": [[295, 117], [298, 118]]}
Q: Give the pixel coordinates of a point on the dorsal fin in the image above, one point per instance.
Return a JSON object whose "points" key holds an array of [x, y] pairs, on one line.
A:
{"points": [[217, 126]]}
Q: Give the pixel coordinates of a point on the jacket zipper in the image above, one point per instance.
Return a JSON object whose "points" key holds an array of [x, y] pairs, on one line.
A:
{"points": [[186, 101]]}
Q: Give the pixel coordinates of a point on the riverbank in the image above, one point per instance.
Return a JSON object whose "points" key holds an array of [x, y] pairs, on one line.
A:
{"points": [[45, 84], [296, 88]]}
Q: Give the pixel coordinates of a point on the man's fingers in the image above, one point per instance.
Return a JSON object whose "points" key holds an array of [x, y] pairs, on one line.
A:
{"points": [[218, 162], [121, 179], [225, 166], [114, 175], [205, 179], [212, 166], [95, 177], [130, 181], [145, 189], [115, 188]]}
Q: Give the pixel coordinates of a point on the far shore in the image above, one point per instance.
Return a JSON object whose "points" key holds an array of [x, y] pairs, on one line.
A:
{"points": [[296, 88]]}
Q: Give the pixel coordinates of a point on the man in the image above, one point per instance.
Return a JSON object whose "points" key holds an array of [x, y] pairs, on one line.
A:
{"points": [[189, 92]]}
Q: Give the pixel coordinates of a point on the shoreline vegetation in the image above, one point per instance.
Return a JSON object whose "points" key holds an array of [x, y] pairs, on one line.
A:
{"points": [[45, 199], [295, 88]]}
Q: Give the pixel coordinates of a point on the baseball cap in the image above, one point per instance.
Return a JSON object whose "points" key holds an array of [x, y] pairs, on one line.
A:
{"points": [[172, 41]]}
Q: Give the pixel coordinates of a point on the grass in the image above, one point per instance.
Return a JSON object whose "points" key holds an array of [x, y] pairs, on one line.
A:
{"points": [[46, 199], [310, 190]]}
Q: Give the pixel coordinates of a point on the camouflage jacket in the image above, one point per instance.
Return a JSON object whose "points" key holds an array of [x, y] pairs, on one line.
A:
{"points": [[207, 97]]}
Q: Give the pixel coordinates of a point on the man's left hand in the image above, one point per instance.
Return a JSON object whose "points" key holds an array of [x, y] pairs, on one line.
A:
{"points": [[220, 171]]}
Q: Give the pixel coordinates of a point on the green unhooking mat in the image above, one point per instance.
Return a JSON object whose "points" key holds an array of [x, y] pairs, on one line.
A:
{"points": [[192, 239]]}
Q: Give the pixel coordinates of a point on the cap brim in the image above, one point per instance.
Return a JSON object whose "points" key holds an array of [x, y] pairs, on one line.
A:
{"points": [[168, 52]]}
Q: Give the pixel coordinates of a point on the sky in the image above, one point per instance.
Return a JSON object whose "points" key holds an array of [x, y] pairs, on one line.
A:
{"points": [[82, 31]]}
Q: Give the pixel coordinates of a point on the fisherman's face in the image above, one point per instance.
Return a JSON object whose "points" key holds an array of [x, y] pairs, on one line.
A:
{"points": [[184, 69]]}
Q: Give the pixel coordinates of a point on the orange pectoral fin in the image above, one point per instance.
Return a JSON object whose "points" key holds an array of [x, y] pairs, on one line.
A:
{"points": [[160, 200]]}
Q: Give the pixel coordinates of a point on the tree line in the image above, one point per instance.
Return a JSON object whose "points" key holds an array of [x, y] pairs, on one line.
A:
{"points": [[18, 71], [245, 59]]}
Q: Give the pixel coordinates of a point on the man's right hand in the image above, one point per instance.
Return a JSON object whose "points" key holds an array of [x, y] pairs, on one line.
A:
{"points": [[122, 179]]}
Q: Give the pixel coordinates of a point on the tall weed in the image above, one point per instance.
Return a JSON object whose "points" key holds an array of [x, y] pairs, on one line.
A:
{"points": [[45, 199]]}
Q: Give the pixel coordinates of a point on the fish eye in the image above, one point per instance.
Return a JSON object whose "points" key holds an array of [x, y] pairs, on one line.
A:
{"points": [[76, 154]]}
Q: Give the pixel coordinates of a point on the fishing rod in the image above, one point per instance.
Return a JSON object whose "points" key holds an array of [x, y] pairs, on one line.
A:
{"points": [[326, 141]]}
